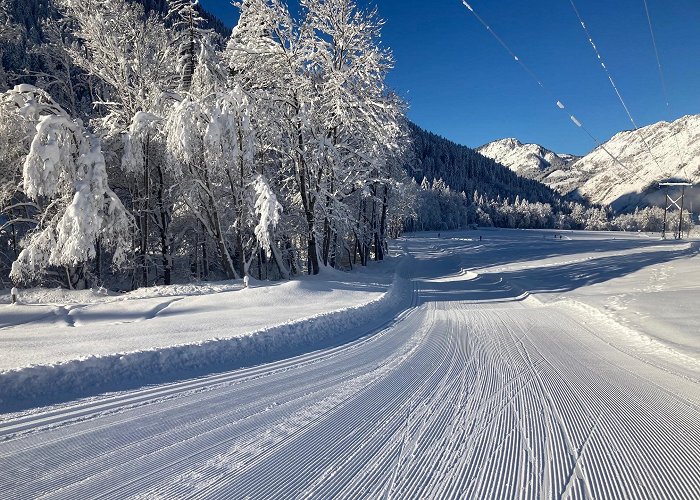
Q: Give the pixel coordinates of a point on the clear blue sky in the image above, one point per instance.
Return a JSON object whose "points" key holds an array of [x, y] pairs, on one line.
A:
{"points": [[462, 85]]}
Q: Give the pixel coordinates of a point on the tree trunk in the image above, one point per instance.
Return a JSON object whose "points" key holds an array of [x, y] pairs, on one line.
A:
{"points": [[144, 214], [328, 229], [308, 204], [205, 256], [14, 241], [164, 227], [373, 225], [98, 260], [276, 255], [380, 240], [334, 249], [326, 240], [312, 252]]}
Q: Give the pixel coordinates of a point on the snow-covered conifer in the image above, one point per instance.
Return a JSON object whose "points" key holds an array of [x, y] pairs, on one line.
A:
{"points": [[189, 36]]}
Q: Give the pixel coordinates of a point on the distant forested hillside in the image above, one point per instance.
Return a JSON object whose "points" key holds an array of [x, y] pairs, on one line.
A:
{"points": [[20, 54], [463, 169], [457, 187]]}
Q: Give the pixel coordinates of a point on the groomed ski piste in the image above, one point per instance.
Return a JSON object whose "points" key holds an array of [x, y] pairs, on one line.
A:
{"points": [[525, 364]]}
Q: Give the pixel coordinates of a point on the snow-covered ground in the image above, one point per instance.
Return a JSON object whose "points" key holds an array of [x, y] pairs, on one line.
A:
{"points": [[56, 344], [516, 365], [645, 291], [79, 324]]}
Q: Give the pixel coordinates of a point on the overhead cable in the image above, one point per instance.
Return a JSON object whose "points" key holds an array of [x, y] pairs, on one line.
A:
{"points": [[681, 156], [614, 86], [559, 104]]}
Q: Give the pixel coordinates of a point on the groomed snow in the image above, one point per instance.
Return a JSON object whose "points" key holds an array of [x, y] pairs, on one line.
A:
{"points": [[500, 371], [58, 344], [644, 290]]}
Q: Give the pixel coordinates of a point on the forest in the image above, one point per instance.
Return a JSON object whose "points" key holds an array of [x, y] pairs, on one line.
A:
{"points": [[145, 147], [145, 143]]}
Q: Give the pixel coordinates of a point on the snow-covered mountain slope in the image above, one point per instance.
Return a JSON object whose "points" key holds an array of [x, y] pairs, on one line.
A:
{"points": [[527, 160], [673, 153]]}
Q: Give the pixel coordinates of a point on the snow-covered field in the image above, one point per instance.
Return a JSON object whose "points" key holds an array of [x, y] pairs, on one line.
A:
{"points": [[519, 365]]}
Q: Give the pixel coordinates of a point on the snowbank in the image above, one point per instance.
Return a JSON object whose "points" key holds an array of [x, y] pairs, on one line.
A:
{"points": [[41, 384], [44, 296]]}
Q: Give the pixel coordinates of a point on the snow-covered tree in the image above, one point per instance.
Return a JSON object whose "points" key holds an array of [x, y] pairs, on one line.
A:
{"points": [[358, 120], [189, 37], [131, 53], [18, 211], [331, 125], [64, 173], [135, 60], [267, 59], [9, 29], [285, 149], [268, 210], [596, 219]]}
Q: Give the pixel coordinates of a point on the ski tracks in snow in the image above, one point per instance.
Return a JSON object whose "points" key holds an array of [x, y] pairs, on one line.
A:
{"points": [[456, 398]]}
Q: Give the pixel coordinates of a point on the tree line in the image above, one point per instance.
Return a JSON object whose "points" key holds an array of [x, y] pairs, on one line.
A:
{"points": [[439, 208], [272, 152]]}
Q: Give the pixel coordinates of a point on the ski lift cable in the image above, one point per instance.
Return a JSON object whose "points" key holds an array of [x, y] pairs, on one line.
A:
{"points": [[614, 86], [559, 104], [681, 156]]}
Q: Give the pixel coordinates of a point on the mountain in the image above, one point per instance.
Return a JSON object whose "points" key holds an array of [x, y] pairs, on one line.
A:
{"points": [[600, 179], [465, 169], [673, 153], [527, 160]]}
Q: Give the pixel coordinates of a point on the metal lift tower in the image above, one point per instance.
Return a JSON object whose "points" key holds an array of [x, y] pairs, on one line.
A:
{"points": [[670, 202]]}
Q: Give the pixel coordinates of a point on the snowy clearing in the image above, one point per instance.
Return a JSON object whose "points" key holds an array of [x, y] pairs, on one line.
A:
{"points": [[506, 376]]}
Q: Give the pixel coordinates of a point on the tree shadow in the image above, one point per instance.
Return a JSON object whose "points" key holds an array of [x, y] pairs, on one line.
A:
{"points": [[512, 285]]}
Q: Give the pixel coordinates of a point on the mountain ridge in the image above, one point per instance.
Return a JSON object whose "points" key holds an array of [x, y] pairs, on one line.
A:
{"points": [[632, 179], [529, 160], [598, 178]]}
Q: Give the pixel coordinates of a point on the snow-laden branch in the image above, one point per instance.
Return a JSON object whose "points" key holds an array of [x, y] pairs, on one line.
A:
{"points": [[65, 165]]}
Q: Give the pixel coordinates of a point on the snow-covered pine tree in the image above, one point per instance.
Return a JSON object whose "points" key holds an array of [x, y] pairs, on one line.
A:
{"points": [[64, 174], [186, 23]]}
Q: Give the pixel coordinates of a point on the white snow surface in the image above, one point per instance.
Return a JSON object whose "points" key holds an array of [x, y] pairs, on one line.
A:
{"points": [[520, 365], [57, 341]]}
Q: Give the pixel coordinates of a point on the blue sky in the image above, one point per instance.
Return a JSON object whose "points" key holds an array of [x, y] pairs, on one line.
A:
{"points": [[461, 84]]}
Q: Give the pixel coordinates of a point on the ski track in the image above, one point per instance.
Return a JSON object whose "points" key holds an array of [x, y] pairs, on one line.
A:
{"points": [[456, 398]]}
